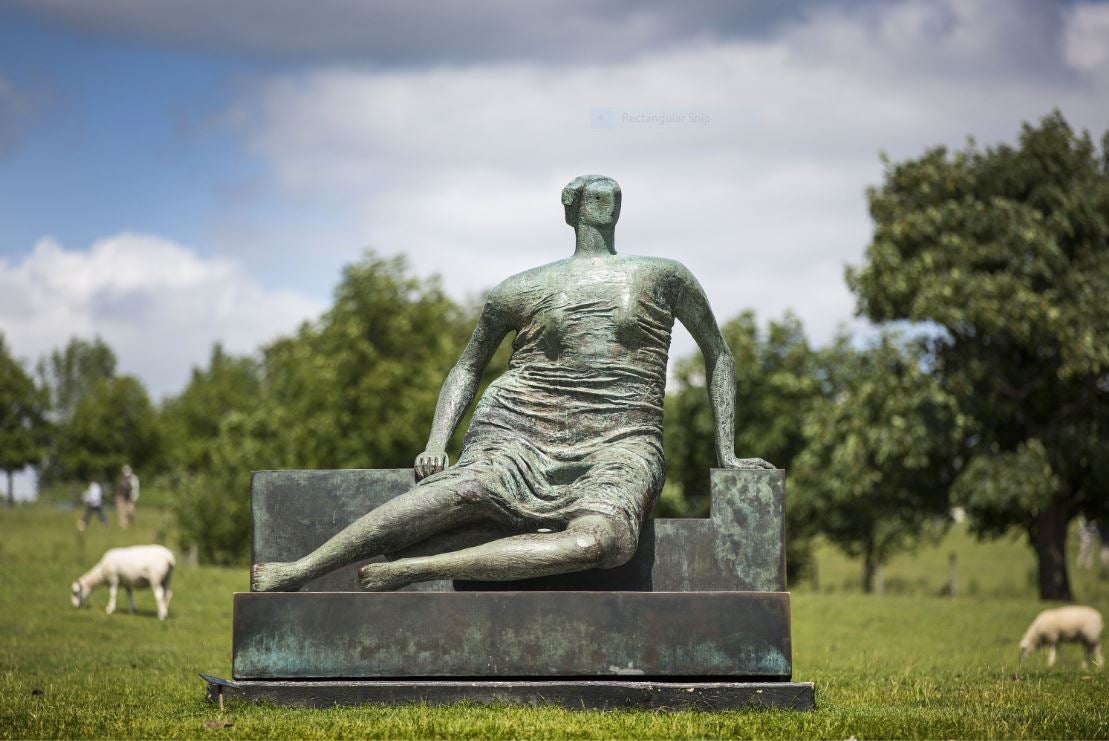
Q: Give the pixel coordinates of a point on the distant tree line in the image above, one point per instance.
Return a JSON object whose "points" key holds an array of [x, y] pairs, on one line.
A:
{"points": [[986, 385]]}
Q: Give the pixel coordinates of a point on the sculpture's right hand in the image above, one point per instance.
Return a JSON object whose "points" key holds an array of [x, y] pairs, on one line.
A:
{"points": [[429, 462]]}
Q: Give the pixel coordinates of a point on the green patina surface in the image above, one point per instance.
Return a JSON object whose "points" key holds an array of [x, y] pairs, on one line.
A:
{"points": [[739, 547], [512, 634], [560, 466], [563, 457]]}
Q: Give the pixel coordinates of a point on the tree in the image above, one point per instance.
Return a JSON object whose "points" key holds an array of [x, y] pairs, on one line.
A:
{"points": [[360, 385], [1005, 254], [212, 505], [355, 389], [191, 421], [23, 426], [879, 458], [778, 379], [70, 373], [114, 423]]}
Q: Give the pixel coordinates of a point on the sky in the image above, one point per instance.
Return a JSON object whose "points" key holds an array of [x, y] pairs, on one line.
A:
{"points": [[176, 174]]}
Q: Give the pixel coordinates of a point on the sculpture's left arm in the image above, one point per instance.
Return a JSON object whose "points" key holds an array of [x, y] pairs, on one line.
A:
{"points": [[461, 384], [692, 310]]}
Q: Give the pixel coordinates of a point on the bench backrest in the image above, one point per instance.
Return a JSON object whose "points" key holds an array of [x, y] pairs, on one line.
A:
{"points": [[740, 546]]}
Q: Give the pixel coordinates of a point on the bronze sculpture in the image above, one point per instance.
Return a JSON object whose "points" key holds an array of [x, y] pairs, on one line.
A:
{"points": [[563, 458]]}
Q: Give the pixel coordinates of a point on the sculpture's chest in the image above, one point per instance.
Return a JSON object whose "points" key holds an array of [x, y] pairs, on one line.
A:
{"points": [[598, 315]]}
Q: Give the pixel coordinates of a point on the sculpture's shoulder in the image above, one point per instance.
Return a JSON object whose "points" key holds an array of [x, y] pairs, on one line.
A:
{"points": [[512, 294], [531, 276], [662, 265], [523, 281], [662, 271]]}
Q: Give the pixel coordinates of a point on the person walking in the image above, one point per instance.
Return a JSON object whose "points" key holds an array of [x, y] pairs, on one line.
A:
{"points": [[93, 497], [126, 494]]}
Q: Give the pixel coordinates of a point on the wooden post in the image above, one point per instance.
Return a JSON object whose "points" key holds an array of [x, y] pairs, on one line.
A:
{"points": [[952, 574]]}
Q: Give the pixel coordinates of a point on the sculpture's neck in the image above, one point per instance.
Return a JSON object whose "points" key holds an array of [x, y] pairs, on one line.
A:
{"points": [[593, 241]]}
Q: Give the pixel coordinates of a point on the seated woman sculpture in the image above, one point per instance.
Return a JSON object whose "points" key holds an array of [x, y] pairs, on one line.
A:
{"points": [[563, 457]]}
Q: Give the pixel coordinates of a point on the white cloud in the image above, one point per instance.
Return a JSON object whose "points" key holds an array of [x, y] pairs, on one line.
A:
{"points": [[1086, 38], [158, 304], [461, 167]]}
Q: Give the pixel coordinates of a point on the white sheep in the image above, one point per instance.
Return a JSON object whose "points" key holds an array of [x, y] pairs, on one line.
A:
{"points": [[135, 567], [1074, 623]]}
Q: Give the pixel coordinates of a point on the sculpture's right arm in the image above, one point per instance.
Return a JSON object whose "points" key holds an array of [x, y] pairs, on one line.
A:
{"points": [[461, 384]]}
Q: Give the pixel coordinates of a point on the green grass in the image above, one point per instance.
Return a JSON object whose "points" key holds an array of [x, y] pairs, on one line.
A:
{"points": [[903, 665]]}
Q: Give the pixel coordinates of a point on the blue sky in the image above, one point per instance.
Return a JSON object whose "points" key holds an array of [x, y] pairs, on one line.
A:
{"points": [[176, 174], [116, 139]]}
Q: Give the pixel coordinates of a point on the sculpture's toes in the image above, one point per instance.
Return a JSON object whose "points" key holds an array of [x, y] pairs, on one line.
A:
{"points": [[272, 577], [380, 577]]}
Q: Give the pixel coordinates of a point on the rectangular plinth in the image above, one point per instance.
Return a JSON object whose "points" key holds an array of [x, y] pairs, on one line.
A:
{"points": [[471, 635], [574, 695]]}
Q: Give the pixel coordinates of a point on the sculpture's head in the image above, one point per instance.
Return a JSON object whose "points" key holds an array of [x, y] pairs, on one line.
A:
{"points": [[593, 200]]}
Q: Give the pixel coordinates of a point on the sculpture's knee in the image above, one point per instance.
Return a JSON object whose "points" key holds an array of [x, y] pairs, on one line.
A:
{"points": [[599, 545], [591, 547], [624, 545]]}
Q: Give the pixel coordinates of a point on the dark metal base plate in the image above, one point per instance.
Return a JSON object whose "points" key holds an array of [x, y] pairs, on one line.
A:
{"points": [[698, 636], [570, 694]]}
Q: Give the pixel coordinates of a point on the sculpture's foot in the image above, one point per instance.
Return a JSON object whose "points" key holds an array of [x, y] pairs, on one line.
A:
{"points": [[274, 577], [382, 577]]}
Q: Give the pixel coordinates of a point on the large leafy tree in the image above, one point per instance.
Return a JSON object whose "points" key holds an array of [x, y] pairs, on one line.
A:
{"points": [[1005, 253], [212, 504], [880, 457], [191, 421], [69, 373], [114, 423], [23, 426], [355, 389], [360, 385]]}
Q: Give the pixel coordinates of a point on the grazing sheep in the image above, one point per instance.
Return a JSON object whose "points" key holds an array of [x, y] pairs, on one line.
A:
{"points": [[1079, 624], [137, 566]]}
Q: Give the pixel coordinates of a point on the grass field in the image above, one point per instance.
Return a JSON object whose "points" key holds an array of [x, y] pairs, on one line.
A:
{"points": [[903, 665]]}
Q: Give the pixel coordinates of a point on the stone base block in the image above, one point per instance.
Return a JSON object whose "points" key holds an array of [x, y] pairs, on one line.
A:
{"points": [[573, 695], [689, 636]]}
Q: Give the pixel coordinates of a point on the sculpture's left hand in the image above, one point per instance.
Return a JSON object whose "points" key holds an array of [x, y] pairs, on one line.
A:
{"points": [[429, 462], [730, 461]]}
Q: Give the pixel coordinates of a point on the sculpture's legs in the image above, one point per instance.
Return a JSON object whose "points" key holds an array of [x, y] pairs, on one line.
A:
{"points": [[588, 542], [402, 521]]}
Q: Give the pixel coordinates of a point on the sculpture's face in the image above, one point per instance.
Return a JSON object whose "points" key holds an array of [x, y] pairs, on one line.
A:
{"points": [[77, 595], [598, 206]]}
